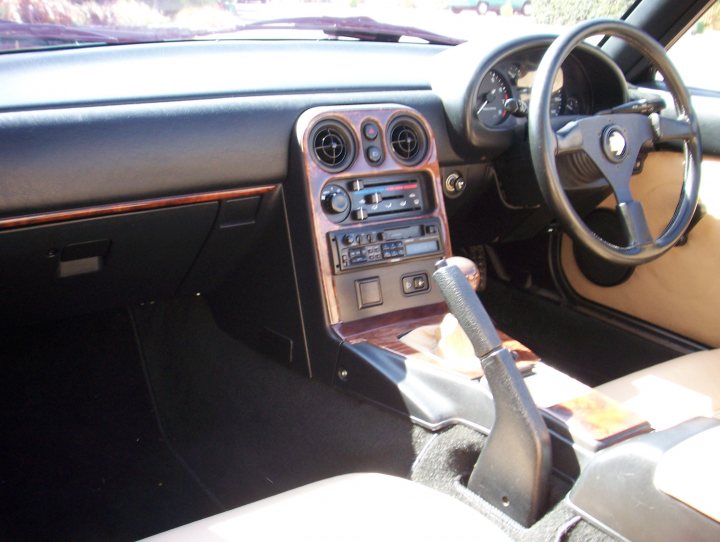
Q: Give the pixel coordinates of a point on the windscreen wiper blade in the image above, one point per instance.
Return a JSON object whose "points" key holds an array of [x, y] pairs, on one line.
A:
{"points": [[362, 28]]}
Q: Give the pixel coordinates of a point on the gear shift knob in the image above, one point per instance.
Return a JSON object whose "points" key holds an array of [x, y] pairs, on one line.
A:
{"points": [[468, 268]]}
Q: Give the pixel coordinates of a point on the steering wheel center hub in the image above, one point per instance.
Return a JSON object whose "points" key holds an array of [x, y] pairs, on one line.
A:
{"points": [[614, 144]]}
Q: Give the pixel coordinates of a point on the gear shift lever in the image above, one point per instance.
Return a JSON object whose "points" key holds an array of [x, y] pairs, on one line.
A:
{"points": [[513, 469]]}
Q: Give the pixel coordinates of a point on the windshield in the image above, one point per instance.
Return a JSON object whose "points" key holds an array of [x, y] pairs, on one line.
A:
{"points": [[33, 24]]}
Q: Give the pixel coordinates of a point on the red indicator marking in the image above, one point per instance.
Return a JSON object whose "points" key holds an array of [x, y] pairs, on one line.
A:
{"points": [[402, 187]]}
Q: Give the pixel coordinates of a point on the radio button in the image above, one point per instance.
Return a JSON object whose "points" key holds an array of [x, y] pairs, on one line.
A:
{"points": [[348, 239]]}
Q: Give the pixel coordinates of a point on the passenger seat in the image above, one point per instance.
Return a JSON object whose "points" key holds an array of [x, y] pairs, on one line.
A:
{"points": [[351, 507], [669, 393]]}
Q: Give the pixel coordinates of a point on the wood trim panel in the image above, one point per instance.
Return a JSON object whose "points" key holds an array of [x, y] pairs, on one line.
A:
{"points": [[599, 418], [129, 207], [384, 331], [316, 178]]}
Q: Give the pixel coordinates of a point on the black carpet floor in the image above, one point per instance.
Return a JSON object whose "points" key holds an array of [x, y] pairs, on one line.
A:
{"points": [[90, 451], [81, 456], [592, 351], [252, 428]]}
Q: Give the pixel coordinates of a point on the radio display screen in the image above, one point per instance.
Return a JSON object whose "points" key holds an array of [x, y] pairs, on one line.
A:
{"points": [[422, 247]]}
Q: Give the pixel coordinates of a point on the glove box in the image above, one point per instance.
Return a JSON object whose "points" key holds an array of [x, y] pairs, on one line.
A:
{"points": [[84, 265]]}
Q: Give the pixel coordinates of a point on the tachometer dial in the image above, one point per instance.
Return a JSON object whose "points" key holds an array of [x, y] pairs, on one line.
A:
{"points": [[491, 95]]}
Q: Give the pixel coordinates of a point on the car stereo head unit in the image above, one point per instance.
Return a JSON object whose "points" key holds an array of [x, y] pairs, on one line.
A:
{"points": [[362, 247]]}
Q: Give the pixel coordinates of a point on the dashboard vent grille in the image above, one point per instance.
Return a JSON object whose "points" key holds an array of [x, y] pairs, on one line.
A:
{"points": [[333, 146], [407, 140]]}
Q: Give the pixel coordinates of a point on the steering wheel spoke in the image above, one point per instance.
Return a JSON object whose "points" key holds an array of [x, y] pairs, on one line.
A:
{"points": [[666, 129], [634, 223], [570, 138]]}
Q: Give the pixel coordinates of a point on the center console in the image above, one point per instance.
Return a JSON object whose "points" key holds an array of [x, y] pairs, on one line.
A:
{"points": [[378, 217], [374, 192]]}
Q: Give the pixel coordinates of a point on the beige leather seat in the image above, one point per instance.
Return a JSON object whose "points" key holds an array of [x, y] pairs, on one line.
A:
{"points": [[671, 392], [350, 507]]}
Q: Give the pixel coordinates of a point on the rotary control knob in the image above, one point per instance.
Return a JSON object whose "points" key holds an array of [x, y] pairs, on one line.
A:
{"points": [[337, 203]]}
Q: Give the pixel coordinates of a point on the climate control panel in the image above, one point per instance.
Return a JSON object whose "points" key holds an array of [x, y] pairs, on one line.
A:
{"points": [[359, 200]]}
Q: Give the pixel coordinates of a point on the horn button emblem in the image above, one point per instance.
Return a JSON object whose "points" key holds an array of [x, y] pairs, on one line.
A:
{"points": [[614, 144]]}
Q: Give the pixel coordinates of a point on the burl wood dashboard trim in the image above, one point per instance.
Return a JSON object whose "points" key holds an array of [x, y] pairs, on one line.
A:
{"points": [[384, 331], [353, 117], [599, 417], [132, 206]]}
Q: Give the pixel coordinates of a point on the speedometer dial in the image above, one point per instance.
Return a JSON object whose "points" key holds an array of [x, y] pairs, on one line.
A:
{"points": [[491, 95]]}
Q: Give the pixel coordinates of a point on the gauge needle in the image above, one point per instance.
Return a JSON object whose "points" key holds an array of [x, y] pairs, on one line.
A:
{"points": [[482, 107]]}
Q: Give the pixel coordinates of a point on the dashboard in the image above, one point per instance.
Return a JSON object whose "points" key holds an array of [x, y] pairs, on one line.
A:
{"points": [[359, 153]]}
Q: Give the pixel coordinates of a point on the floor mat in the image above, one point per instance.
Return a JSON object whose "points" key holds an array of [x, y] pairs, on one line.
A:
{"points": [[81, 455], [590, 350], [251, 427]]}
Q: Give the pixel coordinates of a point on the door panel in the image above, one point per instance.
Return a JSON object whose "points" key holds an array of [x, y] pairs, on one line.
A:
{"points": [[681, 290]]}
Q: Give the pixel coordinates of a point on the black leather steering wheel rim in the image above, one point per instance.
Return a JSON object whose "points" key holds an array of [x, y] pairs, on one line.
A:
{"points": [[598, 136]]}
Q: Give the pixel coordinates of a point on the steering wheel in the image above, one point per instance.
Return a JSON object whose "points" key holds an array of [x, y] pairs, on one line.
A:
{"points": [[613, 141]]}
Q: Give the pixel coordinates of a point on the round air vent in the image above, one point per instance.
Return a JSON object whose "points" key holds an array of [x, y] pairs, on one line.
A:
{"points": [[407, 140], [333, 146]]}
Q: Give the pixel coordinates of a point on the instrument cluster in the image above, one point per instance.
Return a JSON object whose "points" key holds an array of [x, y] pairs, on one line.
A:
{"points": [[504, 91]]}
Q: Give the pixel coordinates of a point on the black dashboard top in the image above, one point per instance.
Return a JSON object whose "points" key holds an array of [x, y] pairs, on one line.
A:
{"points": [[204, 69]]}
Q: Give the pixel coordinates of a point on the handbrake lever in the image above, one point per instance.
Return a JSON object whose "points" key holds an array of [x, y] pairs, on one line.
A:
{"points": [[513, 469]]}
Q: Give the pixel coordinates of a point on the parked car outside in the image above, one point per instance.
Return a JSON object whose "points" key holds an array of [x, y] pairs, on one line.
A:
{"points": [[484, 6]]}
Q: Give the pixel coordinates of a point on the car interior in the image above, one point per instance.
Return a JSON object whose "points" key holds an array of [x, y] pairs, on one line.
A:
{"points": [[347, 289]]}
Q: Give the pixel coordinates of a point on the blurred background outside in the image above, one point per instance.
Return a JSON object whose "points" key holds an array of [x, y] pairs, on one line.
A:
{"points": [[464, 19]]}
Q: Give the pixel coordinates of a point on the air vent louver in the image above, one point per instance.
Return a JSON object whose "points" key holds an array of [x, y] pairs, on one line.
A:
{"points": [[333, 146], [407, 140]]}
